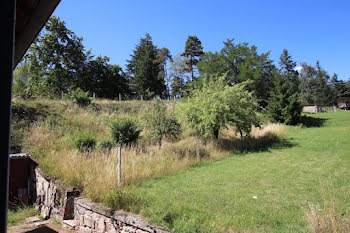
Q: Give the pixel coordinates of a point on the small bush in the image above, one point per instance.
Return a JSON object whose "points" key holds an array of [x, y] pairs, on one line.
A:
{"points": [[84, 142], [79, 97], [124, 131]]}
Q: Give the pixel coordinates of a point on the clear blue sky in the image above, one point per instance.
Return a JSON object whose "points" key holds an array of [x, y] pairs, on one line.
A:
{"points": [[310, 30]]}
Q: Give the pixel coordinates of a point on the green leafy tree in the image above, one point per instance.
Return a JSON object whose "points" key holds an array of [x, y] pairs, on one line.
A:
{"points": [[192, 53], [241, 63], [161, 123], [104, 79], [164, 56], [144, 67], [21, 78], [124, 131], [56, 58], [315, 85], [178, 76], [242, 110], [218, 105]]}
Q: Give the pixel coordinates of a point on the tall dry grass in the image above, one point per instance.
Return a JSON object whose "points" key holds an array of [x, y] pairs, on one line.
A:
{"points": [[328, 216], [96, 172]]}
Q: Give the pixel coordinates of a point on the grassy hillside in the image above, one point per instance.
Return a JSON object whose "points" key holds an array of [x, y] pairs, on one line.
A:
{"points": [[47, 130]]}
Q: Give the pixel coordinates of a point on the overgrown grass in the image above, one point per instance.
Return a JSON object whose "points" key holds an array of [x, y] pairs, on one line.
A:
{"points": [[19, 215], [52, 141]]}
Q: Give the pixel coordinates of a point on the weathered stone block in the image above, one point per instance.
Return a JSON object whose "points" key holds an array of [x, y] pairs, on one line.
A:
{"points": [[89, 222]]}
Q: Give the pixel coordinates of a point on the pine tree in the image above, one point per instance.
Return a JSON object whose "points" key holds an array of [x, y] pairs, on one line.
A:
{"points": [[288, 69], [193, 51], [284, 105], [144, 68]]}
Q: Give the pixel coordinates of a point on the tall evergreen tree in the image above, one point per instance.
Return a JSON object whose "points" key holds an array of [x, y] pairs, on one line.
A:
{"points": [[284, 105], [288, 69], [192, 53], [144, 68]]}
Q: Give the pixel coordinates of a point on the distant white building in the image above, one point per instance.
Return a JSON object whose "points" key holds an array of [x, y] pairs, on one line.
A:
{"points": [[312, 109]]}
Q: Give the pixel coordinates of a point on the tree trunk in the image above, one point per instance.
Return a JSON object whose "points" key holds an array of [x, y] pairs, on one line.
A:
{"points": [[160, 143], [243, 149], [198, 155], [216, 133]]}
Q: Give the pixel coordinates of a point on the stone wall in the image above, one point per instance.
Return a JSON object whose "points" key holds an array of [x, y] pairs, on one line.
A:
{"points": [[94, 218], [49, 198], [88, 217]]}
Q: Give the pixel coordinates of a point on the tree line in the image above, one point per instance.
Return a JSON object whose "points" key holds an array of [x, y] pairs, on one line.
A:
{"points": [[57, 62]]}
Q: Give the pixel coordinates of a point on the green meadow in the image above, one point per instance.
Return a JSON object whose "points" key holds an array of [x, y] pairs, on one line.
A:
{"points": [[300, 184]]}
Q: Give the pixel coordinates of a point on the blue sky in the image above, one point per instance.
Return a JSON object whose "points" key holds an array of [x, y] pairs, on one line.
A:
{"points": [[310, 30]]}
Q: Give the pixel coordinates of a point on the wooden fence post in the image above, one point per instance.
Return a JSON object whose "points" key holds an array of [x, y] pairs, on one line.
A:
{"points": [[119, 165], [120, 97], [198, 155]]}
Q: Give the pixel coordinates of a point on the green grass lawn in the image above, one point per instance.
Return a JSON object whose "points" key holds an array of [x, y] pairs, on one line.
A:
{"points": [[269, 191]]}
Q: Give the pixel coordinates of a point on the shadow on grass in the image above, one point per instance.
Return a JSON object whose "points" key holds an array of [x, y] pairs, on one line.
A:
{"points": [[309, 121], [254, 144]]}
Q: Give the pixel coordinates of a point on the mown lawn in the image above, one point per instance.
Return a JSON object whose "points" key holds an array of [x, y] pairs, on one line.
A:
{"points": [[285, 189]]}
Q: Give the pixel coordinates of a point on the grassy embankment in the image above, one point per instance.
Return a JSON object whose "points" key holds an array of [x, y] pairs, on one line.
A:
{"points": [[300, 178], [47, 128]]}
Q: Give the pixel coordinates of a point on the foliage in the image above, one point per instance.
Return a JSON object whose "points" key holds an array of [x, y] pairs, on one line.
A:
{"points": [[79, 97], [104, 79], [124, 131], [217, 105], [192, 53], [284, 103], [241, 63], [177, 74], [316, 88], [164, 56], [56, 58], [84, 142], [144, 69], [161, 123]]}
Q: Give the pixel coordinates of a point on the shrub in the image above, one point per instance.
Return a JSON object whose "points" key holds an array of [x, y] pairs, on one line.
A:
{"points": [[84, 142], [124, 131], [79, 97], [161, 123]]}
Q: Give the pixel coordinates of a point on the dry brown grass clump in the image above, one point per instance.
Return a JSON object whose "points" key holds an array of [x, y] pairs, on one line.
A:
{"points": [[327, 219]]}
